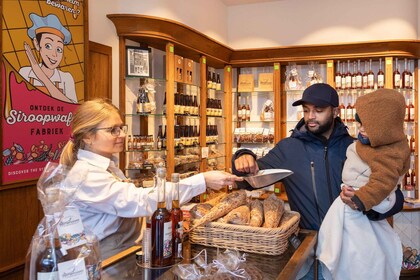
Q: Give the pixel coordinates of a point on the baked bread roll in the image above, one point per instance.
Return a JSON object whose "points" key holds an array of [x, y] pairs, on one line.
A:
{"points": [[273, 211], [257, 213]]}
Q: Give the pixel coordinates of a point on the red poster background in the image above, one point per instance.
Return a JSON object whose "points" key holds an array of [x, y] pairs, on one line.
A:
{"points": [[35, 128]]}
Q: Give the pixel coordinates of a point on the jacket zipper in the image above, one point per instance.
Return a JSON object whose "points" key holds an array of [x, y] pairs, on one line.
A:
{"points": [[327, 169]]}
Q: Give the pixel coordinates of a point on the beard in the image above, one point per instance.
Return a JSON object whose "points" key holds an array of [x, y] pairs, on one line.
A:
{"points": [[322, 127]]}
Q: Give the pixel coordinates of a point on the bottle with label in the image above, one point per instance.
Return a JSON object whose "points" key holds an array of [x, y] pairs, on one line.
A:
{"points": [[243, 111], [412, 143], [176, 213], [365, 77], [338, 76], [349, 109], [213, 81], [218, 83], [342, 111], [177, 242], [396, 77], [359, 79], [371, 76], [407, 110], [129, 143], [141, 100], [164, 139], [159, 138], [47, 262], [413, 178], [353, 76], [381, 75], [348, 76], [209, 81], [411, 74], [161, 224], [343, 77], [247, 110], [411, 111], [164, 104], [406, 76]]}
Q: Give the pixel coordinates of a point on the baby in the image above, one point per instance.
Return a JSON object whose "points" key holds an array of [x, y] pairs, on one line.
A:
{"points": [[350, 241]]}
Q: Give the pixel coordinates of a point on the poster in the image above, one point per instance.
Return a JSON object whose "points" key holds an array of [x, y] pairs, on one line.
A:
{"points": [[42, 69]]}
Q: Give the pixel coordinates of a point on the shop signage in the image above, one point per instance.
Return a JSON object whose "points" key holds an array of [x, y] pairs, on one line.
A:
{"points": [[42, 82]]}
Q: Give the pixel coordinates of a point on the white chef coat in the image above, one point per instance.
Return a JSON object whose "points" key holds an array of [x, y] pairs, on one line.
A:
{"points": [[104, 200]]}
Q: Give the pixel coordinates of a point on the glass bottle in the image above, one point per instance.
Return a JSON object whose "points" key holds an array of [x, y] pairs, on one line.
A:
{"points": [[209, 81], [349, 109], [365, 77], [159, 138], [164, 104], [411, 111], [129, 143], [164, 139], [353, 76], [342, 111], [343, 77], [381, 75], [359, 78], [406, 76], [247, 110], [161, 224], [371, 76], [243, 111], [338, 76], [239, 110], [213, 81], [411, 69], [141, 101], [176, 213], [412, 143], [196, 110], [396, 81], [348, 76], [47, 264], [218, 83], [177, 253]]}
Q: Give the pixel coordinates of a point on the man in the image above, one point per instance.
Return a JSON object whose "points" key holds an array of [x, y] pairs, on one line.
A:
{"points": [[315, 152]]}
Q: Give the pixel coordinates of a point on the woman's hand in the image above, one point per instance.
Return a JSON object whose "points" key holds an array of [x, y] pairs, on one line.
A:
{"points": [[346, 194], [218, 179]]}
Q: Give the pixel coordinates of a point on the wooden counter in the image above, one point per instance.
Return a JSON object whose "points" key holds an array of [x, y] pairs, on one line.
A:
{"points": [[285, 266]]}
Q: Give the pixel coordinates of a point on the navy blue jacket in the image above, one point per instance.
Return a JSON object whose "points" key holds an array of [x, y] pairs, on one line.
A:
{"points": [[296, 153]]}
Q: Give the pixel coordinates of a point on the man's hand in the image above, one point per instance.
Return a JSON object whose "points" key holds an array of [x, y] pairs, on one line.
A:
{"points": [[346, 194], [246, 164]]}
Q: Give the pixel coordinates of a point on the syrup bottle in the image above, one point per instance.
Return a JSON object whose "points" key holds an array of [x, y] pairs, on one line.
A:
{"points": [[176, 215], [338, 76], [396, 82], [371, 76], [381, 75], [406, 76], [161, 225]]}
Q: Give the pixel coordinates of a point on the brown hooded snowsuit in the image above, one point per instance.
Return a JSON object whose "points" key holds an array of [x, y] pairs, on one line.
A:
{"points": [[382, 115]]}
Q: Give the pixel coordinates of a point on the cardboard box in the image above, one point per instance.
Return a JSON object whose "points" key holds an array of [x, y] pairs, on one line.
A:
{"points": [[188, 71], [179, 71]]}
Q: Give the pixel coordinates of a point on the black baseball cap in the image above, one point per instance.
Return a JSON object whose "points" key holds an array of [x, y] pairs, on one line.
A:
{"points": [[320, 95]]}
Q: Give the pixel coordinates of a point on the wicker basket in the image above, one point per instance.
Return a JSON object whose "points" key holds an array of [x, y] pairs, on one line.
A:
{"points": [[268, 241]]}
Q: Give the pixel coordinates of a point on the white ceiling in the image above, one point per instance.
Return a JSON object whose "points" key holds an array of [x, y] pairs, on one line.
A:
{"points": [[244, 2]]}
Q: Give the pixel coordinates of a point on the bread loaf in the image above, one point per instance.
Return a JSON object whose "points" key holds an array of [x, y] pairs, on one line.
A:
{"points": [[273, 211], [227, 204], [238, 216], [257, 213], [199, 210]]}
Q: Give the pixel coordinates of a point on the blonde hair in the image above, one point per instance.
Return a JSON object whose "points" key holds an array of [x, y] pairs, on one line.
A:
{"points": [[86, 118]]}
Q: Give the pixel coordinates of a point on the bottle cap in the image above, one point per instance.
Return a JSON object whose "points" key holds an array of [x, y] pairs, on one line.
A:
{"points": [[175, 177], [161, 172]]}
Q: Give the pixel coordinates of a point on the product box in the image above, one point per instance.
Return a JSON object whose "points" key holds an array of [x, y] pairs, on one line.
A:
{"points": [[179, 71], [189, 74]]}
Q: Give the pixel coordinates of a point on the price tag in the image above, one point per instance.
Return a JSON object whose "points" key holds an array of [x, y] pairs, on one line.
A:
{"points": [[171, 49], [205, 152]]}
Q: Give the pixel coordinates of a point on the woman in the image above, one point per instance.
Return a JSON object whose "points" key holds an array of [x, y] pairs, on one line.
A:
{"points": [[109, 205]]}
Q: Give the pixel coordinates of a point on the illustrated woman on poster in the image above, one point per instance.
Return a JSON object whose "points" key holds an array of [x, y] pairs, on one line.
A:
{"points": [[49, 37]]}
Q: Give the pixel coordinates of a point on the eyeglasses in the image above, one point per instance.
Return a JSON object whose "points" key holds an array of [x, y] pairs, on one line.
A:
{"points": [[115, 130]]}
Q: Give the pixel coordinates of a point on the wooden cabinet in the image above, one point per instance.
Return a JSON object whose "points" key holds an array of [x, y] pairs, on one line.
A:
{"points": [[165, 34]]}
